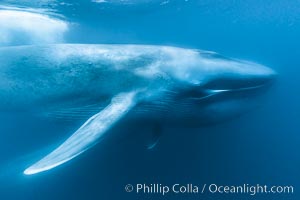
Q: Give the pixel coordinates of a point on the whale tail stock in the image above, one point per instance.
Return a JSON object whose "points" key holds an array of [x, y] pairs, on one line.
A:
{"points": [[87, 135]]}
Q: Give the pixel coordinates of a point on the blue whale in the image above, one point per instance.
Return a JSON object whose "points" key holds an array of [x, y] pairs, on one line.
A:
{"points": [[104, 84]]}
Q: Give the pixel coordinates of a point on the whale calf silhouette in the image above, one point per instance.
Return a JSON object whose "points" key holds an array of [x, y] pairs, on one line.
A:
{"points": [[102, 84]]}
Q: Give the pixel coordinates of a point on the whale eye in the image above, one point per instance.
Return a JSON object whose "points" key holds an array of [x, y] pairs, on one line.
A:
{"points": [[196, 92]]}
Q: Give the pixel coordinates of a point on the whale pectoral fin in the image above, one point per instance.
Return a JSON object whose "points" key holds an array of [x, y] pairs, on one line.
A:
{"points": [[87, 135]]}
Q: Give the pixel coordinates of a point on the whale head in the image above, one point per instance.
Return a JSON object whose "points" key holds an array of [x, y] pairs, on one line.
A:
{"points": [[214, 88]]}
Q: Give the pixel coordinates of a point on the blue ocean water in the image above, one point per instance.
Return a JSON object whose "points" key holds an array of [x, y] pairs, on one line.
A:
{"points": [[260, 147]]}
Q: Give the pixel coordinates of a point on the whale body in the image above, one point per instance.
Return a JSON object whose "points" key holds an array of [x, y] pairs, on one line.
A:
{"points": [[102, 84]]}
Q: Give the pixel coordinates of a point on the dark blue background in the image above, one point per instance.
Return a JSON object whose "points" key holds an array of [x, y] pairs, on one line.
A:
{"points": [[261, 147]]}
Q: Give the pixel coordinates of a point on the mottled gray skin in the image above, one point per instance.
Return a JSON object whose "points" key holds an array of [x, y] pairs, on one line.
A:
{"points": [[174, 83]]}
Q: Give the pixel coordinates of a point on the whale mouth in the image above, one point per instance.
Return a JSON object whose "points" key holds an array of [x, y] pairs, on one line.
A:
{"points": [[238, 85], [231, 88], [258, 87]]}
